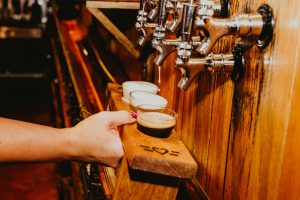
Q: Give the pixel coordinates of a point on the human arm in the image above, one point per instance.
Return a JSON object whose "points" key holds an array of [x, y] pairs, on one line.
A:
{"points": [[93, 139]]}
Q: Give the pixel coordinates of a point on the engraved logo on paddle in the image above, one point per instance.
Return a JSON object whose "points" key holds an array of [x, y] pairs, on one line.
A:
{"points": [[161, 151]]}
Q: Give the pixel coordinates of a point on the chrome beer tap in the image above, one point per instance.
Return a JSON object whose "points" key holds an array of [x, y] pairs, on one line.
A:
{"points": [[160, 30], [185, 46], [185, 43], [146, 28], [259, 25], [205, 8], [231, 63], [153, 9], [174, 8]]}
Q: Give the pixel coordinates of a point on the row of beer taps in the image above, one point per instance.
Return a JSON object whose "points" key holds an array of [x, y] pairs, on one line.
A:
{"points": [[23, 10], [200, 24]]}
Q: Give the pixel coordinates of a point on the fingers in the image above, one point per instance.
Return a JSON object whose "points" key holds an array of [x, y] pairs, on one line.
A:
{"points": [[118, 118]]}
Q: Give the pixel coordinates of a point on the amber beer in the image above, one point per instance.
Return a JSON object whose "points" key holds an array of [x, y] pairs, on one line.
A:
{"points": [[156, 124]]}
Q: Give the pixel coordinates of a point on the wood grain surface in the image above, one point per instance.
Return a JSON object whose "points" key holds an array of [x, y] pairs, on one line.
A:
{"points": [[244, 135], [132, 185]]}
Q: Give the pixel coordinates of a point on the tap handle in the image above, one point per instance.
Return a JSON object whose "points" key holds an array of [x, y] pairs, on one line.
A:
{"points": [[264, 39], [162, 12], [239, 62], [188, 14], [153, 10]]}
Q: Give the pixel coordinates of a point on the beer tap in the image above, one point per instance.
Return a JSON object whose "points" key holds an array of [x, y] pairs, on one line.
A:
{"points": [[146, 28], [259, 25], [185, 43], [153, 9], [206, 8], [231, 63], [185, 46], [160, 30], [174, 8]]}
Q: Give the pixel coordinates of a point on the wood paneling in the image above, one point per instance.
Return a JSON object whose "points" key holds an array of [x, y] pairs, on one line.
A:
{"points": [[243, 135]]}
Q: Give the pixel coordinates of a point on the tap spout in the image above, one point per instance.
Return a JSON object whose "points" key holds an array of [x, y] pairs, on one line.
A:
{"points": [[162, 13], [146, 32], [174, 8], [230, 63], [153, 11], [258, 25], [167, 46]]}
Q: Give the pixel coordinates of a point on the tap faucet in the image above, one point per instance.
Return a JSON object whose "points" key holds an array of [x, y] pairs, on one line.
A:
{"points": [[174, 8], [185, 47], [167, 46], [185, 43], [153, 9], [145, 28], [259, 25], [205, 8], [231, 63], [146, 33]]}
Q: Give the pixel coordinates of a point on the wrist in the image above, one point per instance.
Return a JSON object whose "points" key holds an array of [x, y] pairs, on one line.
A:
{"points": [[69, 144]]}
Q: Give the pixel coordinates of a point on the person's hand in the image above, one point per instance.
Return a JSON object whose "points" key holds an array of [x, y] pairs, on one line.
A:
{"points": [[96, 138]]}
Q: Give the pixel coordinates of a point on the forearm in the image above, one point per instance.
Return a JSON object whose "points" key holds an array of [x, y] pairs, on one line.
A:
{"points": [[95, 139], [21, 141]]}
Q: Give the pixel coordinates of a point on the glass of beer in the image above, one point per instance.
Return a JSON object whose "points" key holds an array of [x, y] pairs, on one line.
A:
{"points": [[155, 121], [143, 97]]}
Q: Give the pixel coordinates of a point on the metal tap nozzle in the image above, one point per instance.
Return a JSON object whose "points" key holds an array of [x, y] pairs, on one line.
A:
{"points": [[232, 63], [148, 29], [206, 8], [259, 25], [167, 46], [153, 9], [146, 33], [174, 8], [185, 47], [182, 45]]}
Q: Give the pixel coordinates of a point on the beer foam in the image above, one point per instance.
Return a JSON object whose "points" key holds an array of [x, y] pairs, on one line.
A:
{"points": [[156, 120], [141, 97], [129, 86]]}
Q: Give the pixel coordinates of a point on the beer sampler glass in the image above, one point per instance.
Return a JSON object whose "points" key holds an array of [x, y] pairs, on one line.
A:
{"points": [[155, 121], [142, 97]]}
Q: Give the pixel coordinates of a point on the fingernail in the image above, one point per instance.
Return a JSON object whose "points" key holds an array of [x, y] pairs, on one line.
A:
{"points": [[133, 115]]}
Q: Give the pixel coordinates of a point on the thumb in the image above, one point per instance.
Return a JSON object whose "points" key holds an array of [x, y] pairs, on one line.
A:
{"points": [[118, 118]]}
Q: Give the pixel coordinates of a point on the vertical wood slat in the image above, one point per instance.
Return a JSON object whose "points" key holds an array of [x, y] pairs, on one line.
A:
{"points": [[256, 117], [256, 164], [128, 188]]}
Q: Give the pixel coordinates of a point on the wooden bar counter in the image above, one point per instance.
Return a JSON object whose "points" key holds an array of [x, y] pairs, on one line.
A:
{"points": [[152, 167]]}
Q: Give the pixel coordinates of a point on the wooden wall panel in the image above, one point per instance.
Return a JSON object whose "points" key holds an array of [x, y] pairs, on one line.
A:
{"points": [[290, 183], [254, 159], [243, 134]]}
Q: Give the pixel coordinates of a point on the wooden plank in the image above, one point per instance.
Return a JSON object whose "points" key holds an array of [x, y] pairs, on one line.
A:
{"points": [[135, 185], [262, 111], [166, 156], [289, 181], [115, 31], [113, 5]]}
